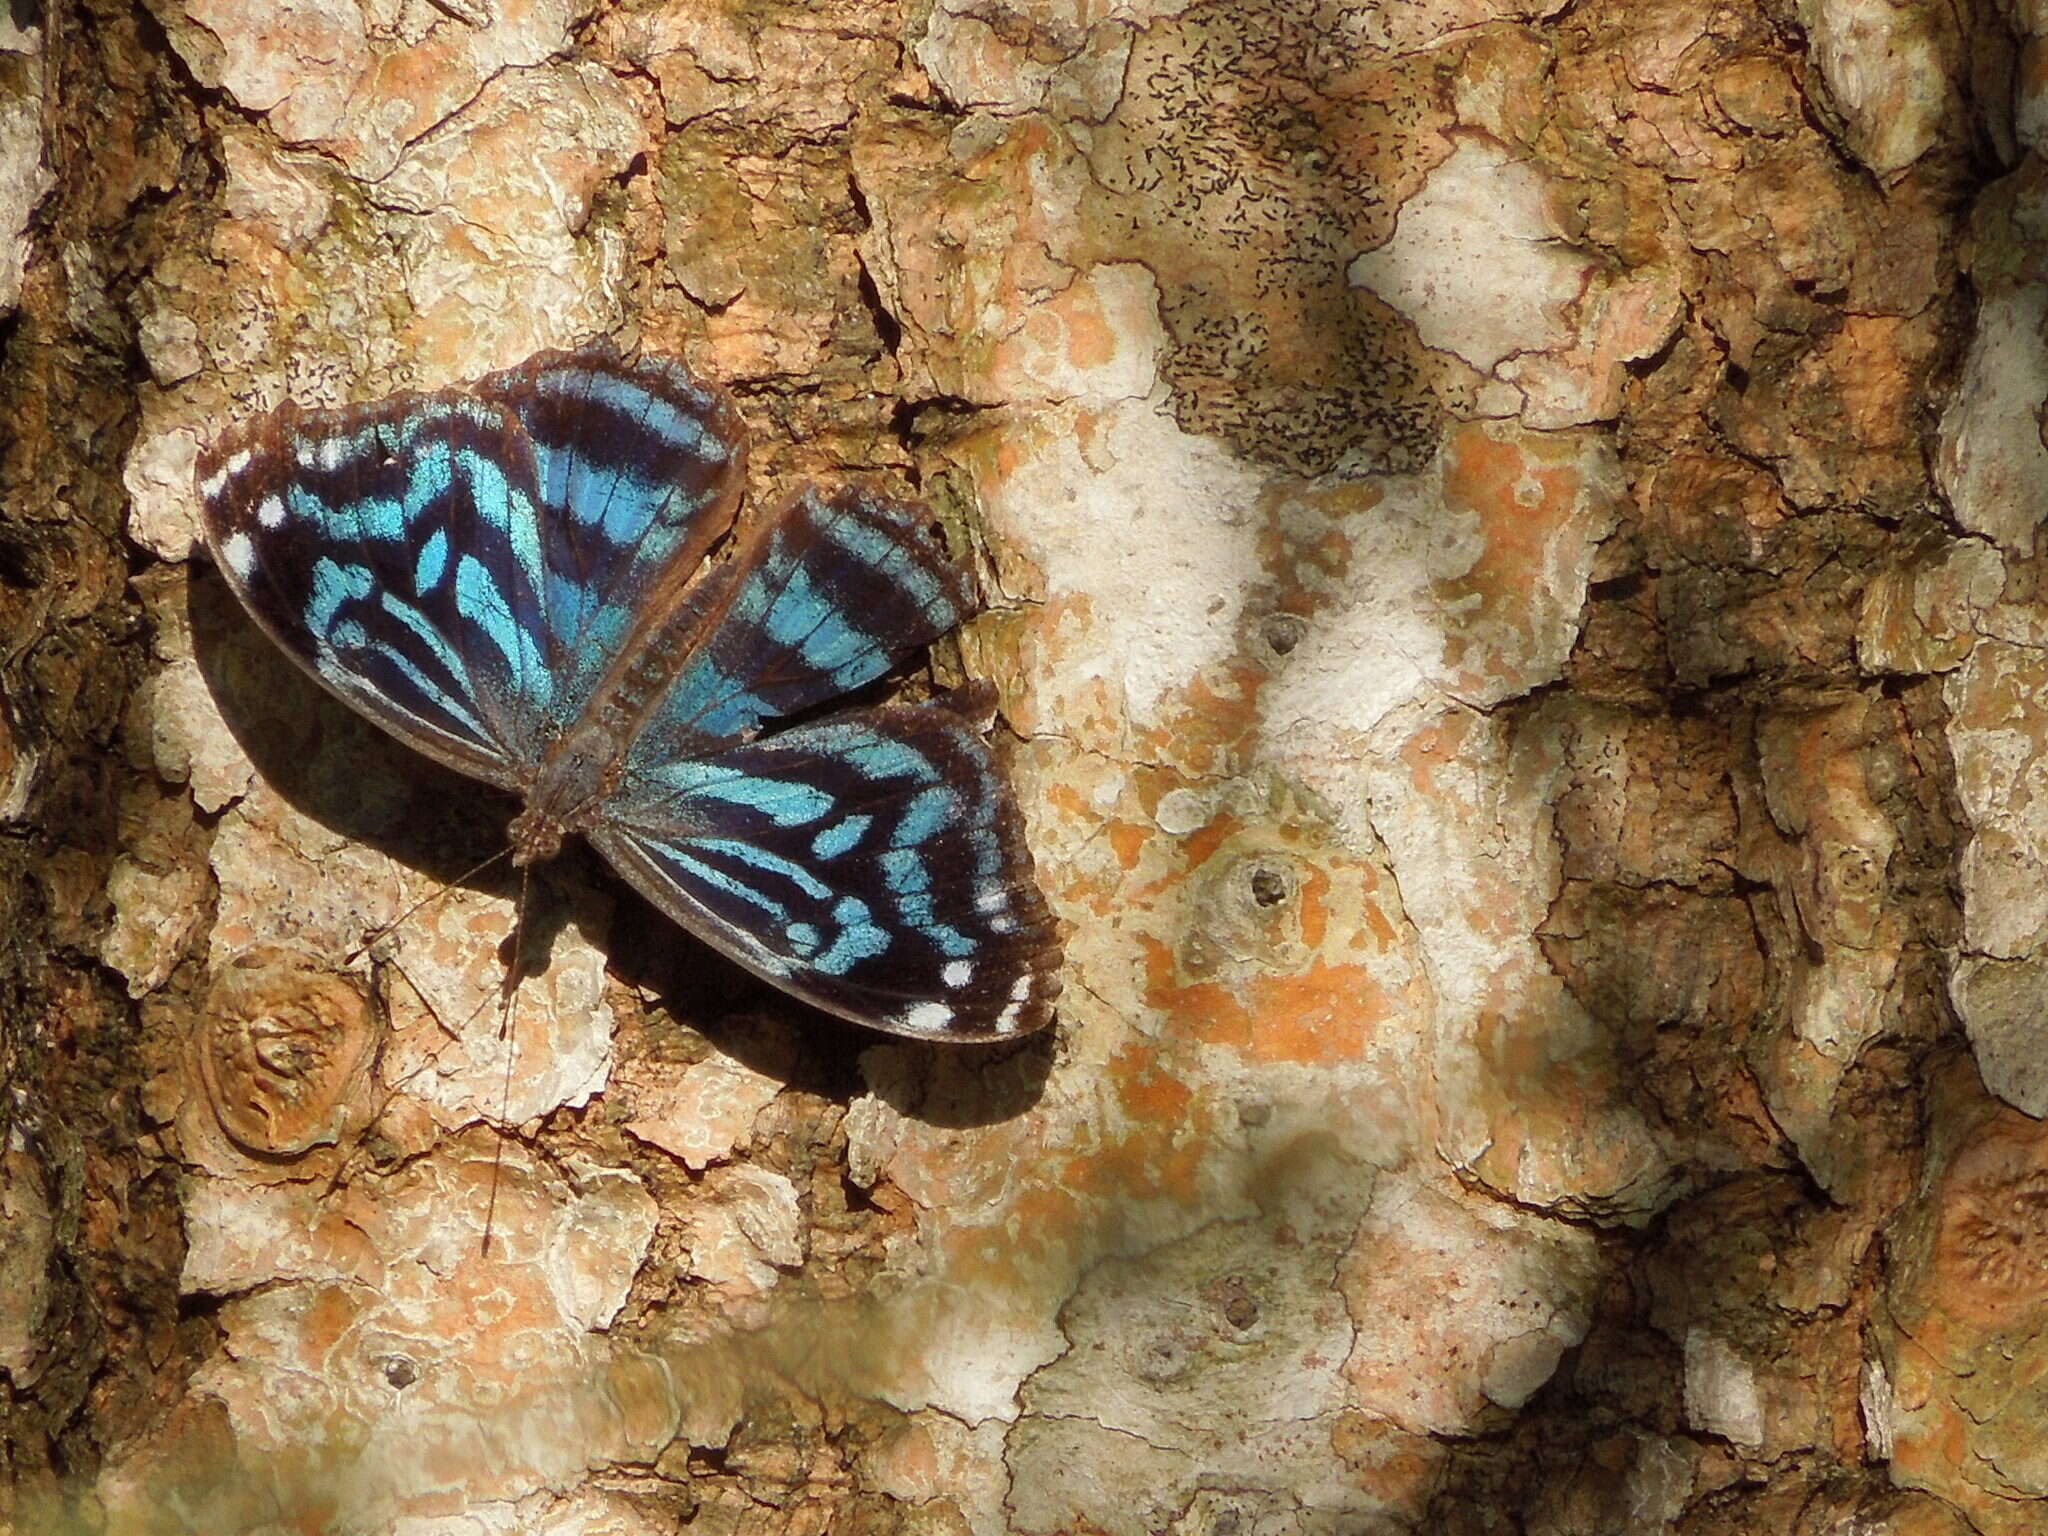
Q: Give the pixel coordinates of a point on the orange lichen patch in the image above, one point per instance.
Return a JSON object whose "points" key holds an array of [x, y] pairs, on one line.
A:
{"points": [[1434, 748], [1148, 1162], [1874, 365], [325, 1322], [1306, 547], [1170, 859], [1152, 1094], [1525, 493], [1199, 845], [1327, 1014], [1938, 1445], [1391, 1464], [1072, 327], [1495, 910], [1028, 137], [1314, 899], [1160, 970], [1330, 1014], [1128, 839], [1045, 1223], [1068, 798], [1209, 727]]}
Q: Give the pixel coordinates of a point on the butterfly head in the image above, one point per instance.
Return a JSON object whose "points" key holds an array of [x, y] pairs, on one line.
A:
{"points": [[536, 837]]}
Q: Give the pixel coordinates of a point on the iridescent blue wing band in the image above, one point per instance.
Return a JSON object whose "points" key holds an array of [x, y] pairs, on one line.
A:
{"points": [[394, 551], [638, 469], [819, 599], [871, 863]]}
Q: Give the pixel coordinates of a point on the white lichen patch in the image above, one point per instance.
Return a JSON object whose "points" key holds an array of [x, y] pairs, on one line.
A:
{"points": [[27, 1243], [1721, 1390], [494, 258], [1460, 1310], [314, 69], [452, 1046], [1147, 535], [1998, 702], [1885, 67], [163, 508], [1063, 61], [158, 912], [24, 178], [1477, 261], [2004, 1007], [1097, 340], [747, 1229], [1990, 462]]}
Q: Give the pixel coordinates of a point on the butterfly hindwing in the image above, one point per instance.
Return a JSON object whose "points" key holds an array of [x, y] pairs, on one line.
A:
{"points": [[820, 599], [638, 469], [394, 552], [870, 862]]}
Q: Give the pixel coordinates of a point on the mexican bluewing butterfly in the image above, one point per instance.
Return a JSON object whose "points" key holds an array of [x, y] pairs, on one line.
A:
{"points": [[540, 579]]}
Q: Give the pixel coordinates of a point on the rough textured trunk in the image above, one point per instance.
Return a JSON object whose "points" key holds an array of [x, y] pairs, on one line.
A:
{"points": [[1511, 531]]}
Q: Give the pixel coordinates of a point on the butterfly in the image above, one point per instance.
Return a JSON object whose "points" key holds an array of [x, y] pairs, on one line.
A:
{"points": [[542, 579]]}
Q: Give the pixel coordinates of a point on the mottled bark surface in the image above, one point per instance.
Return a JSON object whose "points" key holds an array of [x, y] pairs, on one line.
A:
{"points": [[1511, 536]]}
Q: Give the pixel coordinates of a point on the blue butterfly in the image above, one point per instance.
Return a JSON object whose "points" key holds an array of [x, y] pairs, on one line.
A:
{"points": [[541, 580]]}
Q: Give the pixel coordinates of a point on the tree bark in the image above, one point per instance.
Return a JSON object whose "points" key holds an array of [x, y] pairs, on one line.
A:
{"points": [[1510, 531]]}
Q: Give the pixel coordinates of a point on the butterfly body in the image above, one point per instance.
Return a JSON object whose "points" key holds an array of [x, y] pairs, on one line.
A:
{"points": [[577, 774], [537, 580]]}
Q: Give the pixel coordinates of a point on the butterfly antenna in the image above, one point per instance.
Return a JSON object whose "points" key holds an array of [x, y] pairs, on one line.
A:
{"points": [[454, 1033], [506, 990], [382, 929]]}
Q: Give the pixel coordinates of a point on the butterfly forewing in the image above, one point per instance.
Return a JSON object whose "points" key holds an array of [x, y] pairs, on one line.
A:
{"points": [[638, 469], [870, 862], [394, 551]]}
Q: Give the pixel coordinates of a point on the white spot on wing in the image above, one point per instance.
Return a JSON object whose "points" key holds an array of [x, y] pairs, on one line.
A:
{"points": [[1006, 1021], [271, 512], [239, 554], [958, 972], [1022, 989], [926, 1017]]}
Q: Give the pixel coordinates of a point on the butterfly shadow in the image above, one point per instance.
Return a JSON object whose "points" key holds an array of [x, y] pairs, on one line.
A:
{"points": [[365, 786], [950, 1087], [329, 764]]}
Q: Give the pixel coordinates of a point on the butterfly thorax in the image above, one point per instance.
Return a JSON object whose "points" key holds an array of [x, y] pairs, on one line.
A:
{"points": [[576, 774]]}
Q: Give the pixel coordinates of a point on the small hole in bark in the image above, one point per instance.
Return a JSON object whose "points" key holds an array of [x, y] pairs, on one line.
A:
{"points": [[1282, 632], [1240, 1307], [400, 1372], [1269, 888]]}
